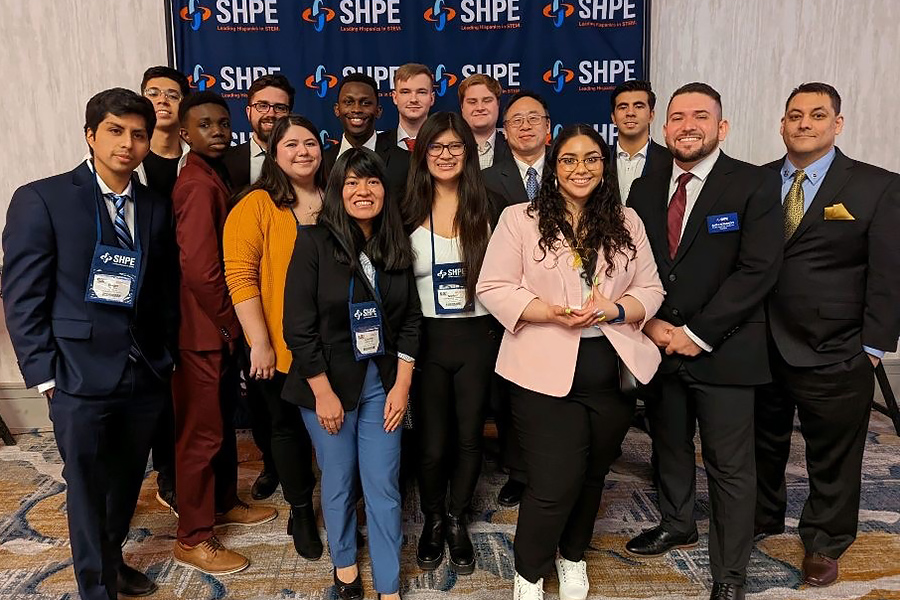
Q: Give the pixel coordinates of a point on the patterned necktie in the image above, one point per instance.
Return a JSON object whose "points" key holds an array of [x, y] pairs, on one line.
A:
{"points": [[793, 205], [531, 183], [675, 215], [410, 143], [123, 233]]}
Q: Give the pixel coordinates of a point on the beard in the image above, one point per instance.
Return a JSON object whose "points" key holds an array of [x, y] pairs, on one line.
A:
{"points": [[263, 134], [700, 153]]}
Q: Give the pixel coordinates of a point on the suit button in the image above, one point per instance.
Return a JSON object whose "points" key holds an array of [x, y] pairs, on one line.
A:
{"points": [[672, 277], [675, 312]]}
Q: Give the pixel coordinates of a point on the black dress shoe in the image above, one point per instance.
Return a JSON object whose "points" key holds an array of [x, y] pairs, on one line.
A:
{"points": [[302, 527], [264, 486], [462, 554], [430, 551], [348, 591], [511, 493], [131, 582], [727, 591], [760, 532], [658, 541]]}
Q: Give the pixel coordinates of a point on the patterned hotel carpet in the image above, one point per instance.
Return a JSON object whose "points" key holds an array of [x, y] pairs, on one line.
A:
{"points": [[35, 562]]}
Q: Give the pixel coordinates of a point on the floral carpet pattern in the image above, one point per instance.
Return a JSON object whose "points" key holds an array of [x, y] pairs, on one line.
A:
{"points": [[36, 563]]}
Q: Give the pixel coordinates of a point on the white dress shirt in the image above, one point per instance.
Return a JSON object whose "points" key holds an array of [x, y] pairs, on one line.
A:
{"points": [[486, 151], [523, 168], [402, 136], [700, 174], [346, 145], [257, 157], [629, 168]]}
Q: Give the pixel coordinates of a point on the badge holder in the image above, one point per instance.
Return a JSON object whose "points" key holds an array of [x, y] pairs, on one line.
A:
{"points": [[448, 281], [365, 326]]}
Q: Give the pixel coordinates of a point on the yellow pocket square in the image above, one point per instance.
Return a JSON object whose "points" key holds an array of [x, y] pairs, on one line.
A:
{"points": [[838, 212]]}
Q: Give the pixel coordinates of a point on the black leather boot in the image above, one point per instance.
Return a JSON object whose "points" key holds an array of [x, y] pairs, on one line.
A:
{"points": [[430, 552], [462, 554], [302, 527]]}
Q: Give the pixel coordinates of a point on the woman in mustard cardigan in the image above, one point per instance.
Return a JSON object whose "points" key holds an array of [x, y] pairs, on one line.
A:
{"points": [[258, 242]]}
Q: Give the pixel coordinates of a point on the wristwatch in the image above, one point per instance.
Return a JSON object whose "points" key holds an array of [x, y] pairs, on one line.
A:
{"points": [[620, 317]]}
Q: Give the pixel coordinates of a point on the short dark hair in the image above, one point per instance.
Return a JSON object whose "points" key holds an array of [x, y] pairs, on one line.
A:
{"points": [[817, 87], [635, 85], [118, 102], [359, 78], [698, 87], [274, 80], [198, 99], [526, 94], [168, 73]]}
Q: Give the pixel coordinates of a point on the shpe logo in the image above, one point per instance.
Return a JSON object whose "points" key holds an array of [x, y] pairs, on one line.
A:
{"points": [[558, 76], [200, 80], [321, 81], [195, 13], [106, 257], [558, 11], [440, 15], [443, 80], [327, 142], [319, 14]]}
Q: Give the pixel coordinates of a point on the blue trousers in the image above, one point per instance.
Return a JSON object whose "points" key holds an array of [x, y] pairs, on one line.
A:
{"points": [[362, 444]]}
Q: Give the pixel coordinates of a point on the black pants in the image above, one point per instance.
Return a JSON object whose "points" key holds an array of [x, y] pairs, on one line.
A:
{"points": [[568, 444], [290, 443], [260, 419], [725, 416], [104, 443], [456, 366], [834, 403], [163, 448], [510, 451]]}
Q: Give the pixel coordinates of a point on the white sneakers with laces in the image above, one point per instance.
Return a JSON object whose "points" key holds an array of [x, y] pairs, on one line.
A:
{"points": [[573, 579], [525, 590]]}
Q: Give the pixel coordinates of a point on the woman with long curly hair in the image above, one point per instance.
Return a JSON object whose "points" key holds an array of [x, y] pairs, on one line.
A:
{"points": [[571, 277]]}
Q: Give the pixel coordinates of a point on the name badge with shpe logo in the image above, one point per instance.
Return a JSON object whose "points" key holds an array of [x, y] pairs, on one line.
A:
{"points": [[722, 223], [365, 327], [113, 277]]}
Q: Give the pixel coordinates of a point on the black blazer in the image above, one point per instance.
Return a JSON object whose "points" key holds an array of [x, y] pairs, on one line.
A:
{"points": [[317, 321], [501, 149], [503, 178], [839, 287], [396, 162], [658, 158], [717, 282], [48, 244], [237, 161]]}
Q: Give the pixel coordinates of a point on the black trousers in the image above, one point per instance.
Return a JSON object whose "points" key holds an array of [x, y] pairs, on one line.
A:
{"points": [[725, 416], [456, 366], [290, 443], [834, 403], [568, 444], [163, 448], [260, 419], [511, 453], [104, 443]]}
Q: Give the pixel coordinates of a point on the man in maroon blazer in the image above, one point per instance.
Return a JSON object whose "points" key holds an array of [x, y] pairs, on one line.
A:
{"points": [[206, 454]]}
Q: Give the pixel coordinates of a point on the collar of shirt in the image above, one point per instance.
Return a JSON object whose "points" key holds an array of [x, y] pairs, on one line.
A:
{"points": [[538, 166], [402, 136], [255, 148], [700, 171], [814, 173], [642, 153], [488, 145], [346, 145], [105, 189]]}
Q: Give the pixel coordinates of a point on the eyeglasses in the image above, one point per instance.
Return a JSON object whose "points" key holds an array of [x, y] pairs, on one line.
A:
{"points": [[533, 119], [264, 107], [154, 93], [591, 163], [454, 148]]}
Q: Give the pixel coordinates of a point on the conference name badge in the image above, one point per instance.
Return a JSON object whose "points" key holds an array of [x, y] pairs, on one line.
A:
{"points": [[722, 223], [113, 277], [449, 281], [365, 328]]}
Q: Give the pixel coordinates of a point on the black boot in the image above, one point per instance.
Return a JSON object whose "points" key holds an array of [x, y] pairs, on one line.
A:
{"points": [[431, 543], [462, 554], [302, 526]]}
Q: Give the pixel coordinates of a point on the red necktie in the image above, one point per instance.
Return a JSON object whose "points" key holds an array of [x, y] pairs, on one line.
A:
{"points": [[410, 143], [676, 212]]}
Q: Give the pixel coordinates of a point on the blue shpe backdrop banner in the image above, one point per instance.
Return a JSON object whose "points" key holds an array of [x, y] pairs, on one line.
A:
{"points": [[572, 52]]}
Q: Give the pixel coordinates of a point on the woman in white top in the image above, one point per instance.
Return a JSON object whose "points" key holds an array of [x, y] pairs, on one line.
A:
{"points": [[449, 214]]}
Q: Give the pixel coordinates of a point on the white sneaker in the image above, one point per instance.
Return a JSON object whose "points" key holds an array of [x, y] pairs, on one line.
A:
{"points": [[525, 590], [573, 579]]}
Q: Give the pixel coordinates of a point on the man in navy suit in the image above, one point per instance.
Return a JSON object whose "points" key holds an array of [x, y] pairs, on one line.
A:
{"points": [[92, 314]]}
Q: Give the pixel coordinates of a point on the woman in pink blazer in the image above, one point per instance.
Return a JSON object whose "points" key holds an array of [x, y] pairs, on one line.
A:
{"points": [[572, 279]]}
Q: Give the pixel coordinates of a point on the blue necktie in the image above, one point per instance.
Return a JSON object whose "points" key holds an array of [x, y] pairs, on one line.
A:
{"points": [[531, 183], [123, 236]]}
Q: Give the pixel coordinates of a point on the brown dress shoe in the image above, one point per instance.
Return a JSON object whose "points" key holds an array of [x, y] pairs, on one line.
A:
{"points": [[246, 515], [211, 557], [819, 570]]}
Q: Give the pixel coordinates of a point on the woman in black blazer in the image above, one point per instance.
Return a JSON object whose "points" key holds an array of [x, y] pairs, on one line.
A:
{"points": [[351, 321]]}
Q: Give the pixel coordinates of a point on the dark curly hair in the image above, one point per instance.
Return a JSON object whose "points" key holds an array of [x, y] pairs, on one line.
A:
{"points": [[602, 222]]}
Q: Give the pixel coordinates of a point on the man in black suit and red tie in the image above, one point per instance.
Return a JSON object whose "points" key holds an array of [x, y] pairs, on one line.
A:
{"points": [[714, 226], [832, 316]]}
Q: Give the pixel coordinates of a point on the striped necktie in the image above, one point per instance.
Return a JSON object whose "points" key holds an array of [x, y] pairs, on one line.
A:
{"points": [[123, 233], [793, 205]]}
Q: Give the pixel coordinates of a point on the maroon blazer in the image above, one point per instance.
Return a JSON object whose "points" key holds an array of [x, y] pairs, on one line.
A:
{"points": [[200, 203]]}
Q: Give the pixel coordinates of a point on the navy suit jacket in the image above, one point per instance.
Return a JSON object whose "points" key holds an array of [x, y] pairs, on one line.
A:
{"points": [[48, 244]]}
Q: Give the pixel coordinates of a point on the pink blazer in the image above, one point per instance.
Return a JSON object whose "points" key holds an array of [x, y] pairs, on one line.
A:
{"points": [[541, 356]]}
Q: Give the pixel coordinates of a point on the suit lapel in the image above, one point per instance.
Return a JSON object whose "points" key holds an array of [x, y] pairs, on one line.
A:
{"points": [[837, 177], [512, 183], [657, 207], [143, 218], [712, 190]]}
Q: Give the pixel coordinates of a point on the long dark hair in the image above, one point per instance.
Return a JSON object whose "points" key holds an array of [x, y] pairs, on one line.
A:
{"points": [[271, 178], [472, 220], [602, 221], [388, 247]]}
